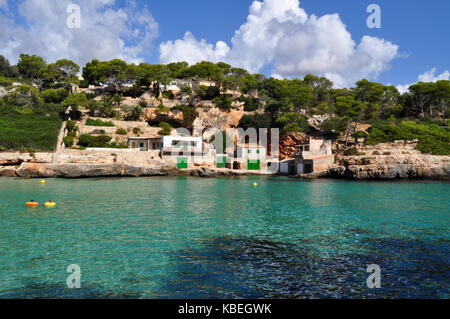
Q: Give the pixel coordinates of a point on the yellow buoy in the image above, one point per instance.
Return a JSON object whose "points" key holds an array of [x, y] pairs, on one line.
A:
{"points": [[255, 184], [43, 182], [50, 204]]}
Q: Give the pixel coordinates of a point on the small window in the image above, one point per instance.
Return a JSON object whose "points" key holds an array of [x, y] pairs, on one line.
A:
{"points": [[249, 151], [257, 151], [141, 145]]}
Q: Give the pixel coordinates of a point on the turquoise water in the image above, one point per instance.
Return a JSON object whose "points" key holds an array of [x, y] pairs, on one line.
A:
{"points": [[223, 238]]}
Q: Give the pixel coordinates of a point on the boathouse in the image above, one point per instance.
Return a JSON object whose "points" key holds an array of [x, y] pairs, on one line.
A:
{"points": [[314, 157]]}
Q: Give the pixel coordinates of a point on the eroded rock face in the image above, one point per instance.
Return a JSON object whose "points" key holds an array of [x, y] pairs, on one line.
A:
{"points": [[35, 170], [288, 143], [207, 117], [153, 115], [316, 120], [215, 118], [390, 172], [398, 160], [8, 172]]}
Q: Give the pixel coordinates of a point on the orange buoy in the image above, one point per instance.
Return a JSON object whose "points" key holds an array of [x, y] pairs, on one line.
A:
{"points": [[32, 204]]}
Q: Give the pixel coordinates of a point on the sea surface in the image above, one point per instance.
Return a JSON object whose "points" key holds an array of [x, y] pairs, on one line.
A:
{"points": [[224, 238]]}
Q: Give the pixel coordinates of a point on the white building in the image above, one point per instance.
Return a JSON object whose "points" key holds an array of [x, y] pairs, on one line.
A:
{"points": [[145, 144], [314, 157], [251, 156]]}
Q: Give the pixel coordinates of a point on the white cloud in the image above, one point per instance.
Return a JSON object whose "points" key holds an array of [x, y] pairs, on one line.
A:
{"points": [[403, 88], [191, 50], [106, 31], [428, 76], [280, 33]]}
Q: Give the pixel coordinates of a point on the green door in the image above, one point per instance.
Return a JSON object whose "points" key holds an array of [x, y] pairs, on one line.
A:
{"points": [[254, 165], [182, 162], [222, 162]]}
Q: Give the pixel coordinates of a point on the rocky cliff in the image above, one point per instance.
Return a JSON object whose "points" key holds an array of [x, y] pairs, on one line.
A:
{"points": [[288, 143], [399, 160], [207, 117]]}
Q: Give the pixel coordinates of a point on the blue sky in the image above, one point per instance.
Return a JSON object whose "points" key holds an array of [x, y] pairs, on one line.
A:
{"points": [[415, 35], [420, 28]]}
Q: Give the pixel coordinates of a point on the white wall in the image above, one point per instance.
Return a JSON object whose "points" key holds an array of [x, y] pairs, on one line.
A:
{"points": [[168, 141]]}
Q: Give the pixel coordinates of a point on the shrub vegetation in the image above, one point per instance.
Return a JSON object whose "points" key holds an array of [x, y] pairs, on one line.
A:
{"points": [[97, 122], [37, 129]]}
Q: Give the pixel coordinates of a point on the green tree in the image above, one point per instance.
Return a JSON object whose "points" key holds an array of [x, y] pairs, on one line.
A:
{"points": [[75, 100], [91, 72], [423, 95], [320, 86], [223, 102], [117, 99], [226, 68], [67, 71], [114, 72], [256, 121], [93, 106], [293, 122], [107, 106], [208, 92], [369, 92], [135, 114], [251, 104], [177, 70], [333, 126], [5, 67], [30, 66], [166, 129], [54, 95], [205, 70], [49, 75], [153, 72], [348, 106], [443, 96]]}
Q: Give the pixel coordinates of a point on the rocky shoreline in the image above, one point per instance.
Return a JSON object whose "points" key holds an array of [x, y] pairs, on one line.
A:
{"points": [[388, 161], [46, 170], [354, 172], [389, 172]]}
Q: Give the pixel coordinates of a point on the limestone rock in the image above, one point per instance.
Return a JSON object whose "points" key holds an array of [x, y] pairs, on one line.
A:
{"points": [[8, 172], [35, 170], [288, 143]]}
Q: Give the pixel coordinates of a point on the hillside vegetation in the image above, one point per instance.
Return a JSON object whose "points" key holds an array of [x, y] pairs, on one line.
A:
{"points": [[289, 104], [29, 130]]}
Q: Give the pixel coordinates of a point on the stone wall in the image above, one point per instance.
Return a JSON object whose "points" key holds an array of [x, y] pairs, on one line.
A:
{"points": [[145, 129]]}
